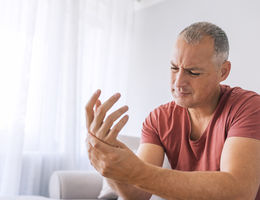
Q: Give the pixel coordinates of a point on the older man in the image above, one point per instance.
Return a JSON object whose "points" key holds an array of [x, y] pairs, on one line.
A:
{"points": [[209, 132]]}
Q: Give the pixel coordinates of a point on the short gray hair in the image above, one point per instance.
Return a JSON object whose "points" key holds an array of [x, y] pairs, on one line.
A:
{"points": [[196, 31]]}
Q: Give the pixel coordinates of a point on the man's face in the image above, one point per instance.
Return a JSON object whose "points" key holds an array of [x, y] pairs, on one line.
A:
{"points": [[194, 75]]}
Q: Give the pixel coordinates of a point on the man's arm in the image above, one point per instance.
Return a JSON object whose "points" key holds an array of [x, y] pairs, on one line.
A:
{"points": [[150, 153], [238, 179]]}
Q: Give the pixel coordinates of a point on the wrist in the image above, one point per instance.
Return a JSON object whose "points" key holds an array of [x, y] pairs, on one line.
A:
{"points": [[142, 174]]}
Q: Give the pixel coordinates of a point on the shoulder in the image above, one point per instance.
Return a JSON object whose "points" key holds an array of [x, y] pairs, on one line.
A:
{"points": [[237, 98], [242, 110], [237, 93]]}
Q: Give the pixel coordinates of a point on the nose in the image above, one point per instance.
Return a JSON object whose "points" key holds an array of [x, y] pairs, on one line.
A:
{"points": [[180, 79]]}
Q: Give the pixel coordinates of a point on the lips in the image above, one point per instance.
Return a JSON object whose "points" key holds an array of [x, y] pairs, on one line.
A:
{"points": [[179, 93]]}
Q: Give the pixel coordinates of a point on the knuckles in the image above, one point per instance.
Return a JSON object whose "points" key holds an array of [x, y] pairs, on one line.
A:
{"points": [[116, 129], [110, 119]]}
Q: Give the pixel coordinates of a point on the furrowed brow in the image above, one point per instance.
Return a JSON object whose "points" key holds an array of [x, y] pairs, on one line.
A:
{"points": [[174, 65], [188, 68]]}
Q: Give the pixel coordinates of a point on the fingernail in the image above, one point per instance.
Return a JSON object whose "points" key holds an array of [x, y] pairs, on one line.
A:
{"points": [[117, 95], [126, 117], [98, 91]]}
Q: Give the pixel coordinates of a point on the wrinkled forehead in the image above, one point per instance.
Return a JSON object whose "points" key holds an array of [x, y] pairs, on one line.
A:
{"points": [[195, 52]]}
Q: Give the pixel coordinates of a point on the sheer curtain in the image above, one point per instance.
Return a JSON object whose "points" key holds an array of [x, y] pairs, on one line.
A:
{"points": [[53, 55]]}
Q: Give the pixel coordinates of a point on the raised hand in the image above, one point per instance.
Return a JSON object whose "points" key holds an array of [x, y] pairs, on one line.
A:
{"points": [[96, 123]]}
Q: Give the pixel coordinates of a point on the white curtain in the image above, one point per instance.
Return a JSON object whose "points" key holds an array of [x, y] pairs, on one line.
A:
{"points": [[53, 55]]}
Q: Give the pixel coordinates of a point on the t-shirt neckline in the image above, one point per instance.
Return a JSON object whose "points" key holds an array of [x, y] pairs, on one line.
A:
{"points": [[204, 134]]}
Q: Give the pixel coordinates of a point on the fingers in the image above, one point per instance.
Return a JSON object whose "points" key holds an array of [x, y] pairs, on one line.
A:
{"points": [[117, 128], [96, 125], [89, 108], [110, 102], [109, 121], [98, 103], [100, 114]]}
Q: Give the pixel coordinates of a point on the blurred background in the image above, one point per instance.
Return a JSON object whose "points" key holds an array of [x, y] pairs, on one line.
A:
{"points": [[55, 53]]}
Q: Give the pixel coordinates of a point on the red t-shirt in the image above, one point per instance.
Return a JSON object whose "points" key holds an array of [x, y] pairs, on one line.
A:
{"points": [[237, 115]]}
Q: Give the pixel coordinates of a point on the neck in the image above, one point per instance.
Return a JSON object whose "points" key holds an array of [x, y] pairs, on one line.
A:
{"points": [[206, 111]]}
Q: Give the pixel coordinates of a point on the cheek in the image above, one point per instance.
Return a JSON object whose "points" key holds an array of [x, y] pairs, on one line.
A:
{"points": [[199, 87], [203, 88]]}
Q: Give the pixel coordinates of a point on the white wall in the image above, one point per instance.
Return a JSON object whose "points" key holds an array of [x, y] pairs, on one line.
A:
{"points": [[155, 31]]}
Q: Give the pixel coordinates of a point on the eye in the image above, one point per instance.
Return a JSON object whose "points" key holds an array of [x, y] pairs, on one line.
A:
{"points": [[174, 69], [194, 74]]}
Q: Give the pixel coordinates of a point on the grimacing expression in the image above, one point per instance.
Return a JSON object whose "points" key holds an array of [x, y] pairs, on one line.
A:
{"points": [[195, 77]]}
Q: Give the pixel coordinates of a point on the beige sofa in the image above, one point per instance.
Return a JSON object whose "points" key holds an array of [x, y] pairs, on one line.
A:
{"points": [[24, 198], [80, 185]]}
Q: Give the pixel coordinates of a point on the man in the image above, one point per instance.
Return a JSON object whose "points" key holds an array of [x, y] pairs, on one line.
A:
{"points": [[210, 132]]}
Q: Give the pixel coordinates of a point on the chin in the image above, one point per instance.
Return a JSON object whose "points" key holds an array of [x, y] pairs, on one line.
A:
{"points": [[182, 103]]}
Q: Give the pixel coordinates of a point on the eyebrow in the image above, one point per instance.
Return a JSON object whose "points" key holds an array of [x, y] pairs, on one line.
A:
{"points": [[188, 68]]}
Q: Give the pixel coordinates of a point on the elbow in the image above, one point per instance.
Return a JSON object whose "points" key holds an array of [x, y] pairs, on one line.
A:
{"points": [[243, 196], [249, 195], [233, 188], [242, 192]]}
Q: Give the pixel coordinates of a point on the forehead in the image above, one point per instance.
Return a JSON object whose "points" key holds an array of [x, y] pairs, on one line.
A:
{"points": [[193, 53]]}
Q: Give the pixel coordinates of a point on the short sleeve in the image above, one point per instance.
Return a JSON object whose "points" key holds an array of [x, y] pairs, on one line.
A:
{"points": [[150, 129], [246, 120]]}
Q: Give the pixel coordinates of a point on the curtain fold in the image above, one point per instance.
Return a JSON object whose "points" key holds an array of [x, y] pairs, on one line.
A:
{"points": [[53, 56]]}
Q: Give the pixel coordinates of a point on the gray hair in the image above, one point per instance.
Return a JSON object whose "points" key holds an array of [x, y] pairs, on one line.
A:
{"points": [[196, 31]]}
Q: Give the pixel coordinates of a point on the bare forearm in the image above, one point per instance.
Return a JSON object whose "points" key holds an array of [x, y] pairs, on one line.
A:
{"points": [[128, 192], [173, 184]]}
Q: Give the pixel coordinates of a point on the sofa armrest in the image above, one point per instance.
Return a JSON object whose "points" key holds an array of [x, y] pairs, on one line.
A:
{"points": [[75, 185]]}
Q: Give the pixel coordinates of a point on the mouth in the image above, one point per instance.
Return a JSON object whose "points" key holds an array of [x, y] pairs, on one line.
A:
{"points": [[178, 93]]}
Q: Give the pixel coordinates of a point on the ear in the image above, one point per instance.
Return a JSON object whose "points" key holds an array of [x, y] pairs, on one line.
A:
{"points": [[225, 70]]}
